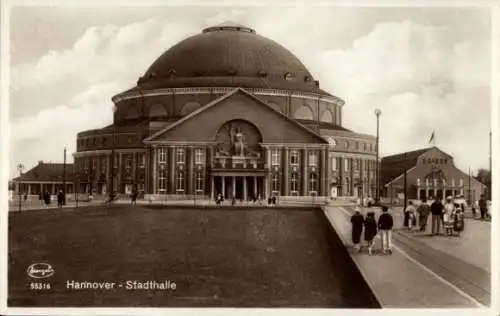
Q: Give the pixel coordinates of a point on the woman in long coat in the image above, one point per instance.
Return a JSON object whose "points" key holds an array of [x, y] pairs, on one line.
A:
{"points": [[370, 230], [357, 221]]}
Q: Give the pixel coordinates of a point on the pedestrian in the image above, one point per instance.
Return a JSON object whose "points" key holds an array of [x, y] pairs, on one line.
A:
{"points": [[370, 230], [410, 215], [357, 221], [436, 211], [133, 198], [448, 216], [483, 207], [274, 199], [385, 225], [47, 198], [60, 199], [458, 222], [423, 211], [40, 197]]}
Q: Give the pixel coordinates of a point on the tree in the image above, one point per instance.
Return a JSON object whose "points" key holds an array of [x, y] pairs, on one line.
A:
{"points": [[484, 176]]}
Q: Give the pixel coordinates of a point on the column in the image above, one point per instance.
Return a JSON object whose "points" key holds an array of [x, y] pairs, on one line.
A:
{"points": [[155, 172], [267, 153], [212, 189], [29, 188], [266, 186], [245, 193], [285, 183], [41, 187], [255, 193], [108, 175], [53, 188], [234, 187], [171, 172], [418, 193], [224, 187], [304, 172], [190, 174], [323, 177]]}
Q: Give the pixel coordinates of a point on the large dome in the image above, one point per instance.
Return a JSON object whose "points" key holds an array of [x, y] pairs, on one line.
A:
{"points": [[228, 55]]}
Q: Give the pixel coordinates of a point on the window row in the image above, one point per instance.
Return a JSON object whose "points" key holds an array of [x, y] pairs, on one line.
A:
{"points": [[180, 177], [294, 159], [356, 164], [101, 162], [180, 155], [436, 181], [435, 161], [104, 140]]}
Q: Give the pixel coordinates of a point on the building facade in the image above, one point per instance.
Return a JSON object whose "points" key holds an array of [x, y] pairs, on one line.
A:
{"points": [[430, 172], [226, 111]]}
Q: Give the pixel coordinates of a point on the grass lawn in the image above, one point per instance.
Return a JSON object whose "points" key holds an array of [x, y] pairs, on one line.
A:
{"points": [[217, 258]]}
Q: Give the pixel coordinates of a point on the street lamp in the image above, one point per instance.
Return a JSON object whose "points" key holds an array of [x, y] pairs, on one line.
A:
{"points": [[20, 167], [112, 162], [377, 194]]}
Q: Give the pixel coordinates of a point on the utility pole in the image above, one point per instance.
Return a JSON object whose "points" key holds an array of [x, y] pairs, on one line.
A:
{"points": [[64, 178], [20, 167], [470, 190], [491, 175], [405, 184], [377, 183]]}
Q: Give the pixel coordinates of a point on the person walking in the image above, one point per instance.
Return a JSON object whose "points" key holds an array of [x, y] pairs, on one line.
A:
{"points": [[458, 222], [410, 215], [385, 225], [133, 198], [370, 231], [448, 216], [483, 207], [357, 221], [60, 199], [436, 211], [423, 211]]}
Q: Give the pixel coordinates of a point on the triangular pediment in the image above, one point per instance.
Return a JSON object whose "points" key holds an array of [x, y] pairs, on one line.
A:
{"points": [[202, 125]]}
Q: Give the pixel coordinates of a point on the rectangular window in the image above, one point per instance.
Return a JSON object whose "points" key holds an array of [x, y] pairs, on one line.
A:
{"points": [[313, 158], [180, 155], [461, 182], [162, 154], [142, 161], [162, 177], [115, 161], [94, 163], [86, 164], [103, 165], [346, 165], [275, 157], [334, 164], [293, 184], [275, 184], [294, 157], [313, 179], [179, 181], [199, 182], [198, 156], [426, 182]]}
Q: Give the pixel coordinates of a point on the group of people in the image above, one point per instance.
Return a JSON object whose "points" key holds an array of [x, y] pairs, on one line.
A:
{"points": [[371, 227], [449, 215], [219, 199]]}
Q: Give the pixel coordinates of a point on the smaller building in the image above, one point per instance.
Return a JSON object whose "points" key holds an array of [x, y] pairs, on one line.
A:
{"points": [[430, 172], [45, 177]]}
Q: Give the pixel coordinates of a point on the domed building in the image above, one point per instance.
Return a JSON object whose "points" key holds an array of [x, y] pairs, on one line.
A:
{"points": [[226, 111]]}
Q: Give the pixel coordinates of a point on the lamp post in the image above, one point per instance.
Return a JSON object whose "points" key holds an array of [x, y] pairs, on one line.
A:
{"points": [[20, 167], [377, 182], [491, 175], [112, 162], [64, 178]]}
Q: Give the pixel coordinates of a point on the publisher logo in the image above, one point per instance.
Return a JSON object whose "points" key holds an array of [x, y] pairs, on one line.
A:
{"points": [[40, 270]]}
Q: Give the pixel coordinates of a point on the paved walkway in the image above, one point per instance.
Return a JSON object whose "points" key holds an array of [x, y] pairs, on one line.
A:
{"points": [[416, 275]]}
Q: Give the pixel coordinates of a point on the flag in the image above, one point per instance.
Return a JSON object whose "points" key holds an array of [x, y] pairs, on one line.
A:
{"points": [[432, 137]]}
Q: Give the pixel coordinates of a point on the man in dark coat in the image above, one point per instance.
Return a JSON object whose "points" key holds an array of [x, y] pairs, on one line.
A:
{"points": [[483, 207], [357, 221], [423, 211], [437, 212], [385, 225], [60, 199]]}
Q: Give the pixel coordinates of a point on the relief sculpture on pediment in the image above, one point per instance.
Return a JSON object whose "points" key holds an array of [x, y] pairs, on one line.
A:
{"points": [[238, 138]]}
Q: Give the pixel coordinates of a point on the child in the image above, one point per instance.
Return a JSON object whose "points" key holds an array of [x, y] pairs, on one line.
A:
{"points": [[385, 224], [370, 230], [458, 221], [357, 228]]}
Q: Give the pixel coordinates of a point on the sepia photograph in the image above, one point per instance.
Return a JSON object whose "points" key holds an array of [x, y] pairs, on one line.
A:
{"points": [[246, 155]]}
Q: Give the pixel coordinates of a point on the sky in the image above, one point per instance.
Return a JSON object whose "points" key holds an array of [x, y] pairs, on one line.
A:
{"points": [[426, 69]]}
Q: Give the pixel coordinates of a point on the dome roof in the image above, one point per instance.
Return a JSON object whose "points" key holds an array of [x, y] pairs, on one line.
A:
{"points": [[228, 55]]}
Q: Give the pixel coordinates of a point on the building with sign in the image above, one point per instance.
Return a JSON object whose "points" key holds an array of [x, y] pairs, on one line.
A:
{"points": [[430, 172], [226, 111]]}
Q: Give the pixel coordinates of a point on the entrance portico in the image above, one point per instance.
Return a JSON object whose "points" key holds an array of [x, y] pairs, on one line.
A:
{"points": [[240, 185]]}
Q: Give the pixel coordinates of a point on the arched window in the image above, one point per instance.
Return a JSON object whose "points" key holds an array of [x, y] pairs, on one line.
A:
{"points": [[304, 113], [327, 117], [157, 110], [189, 107]]}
